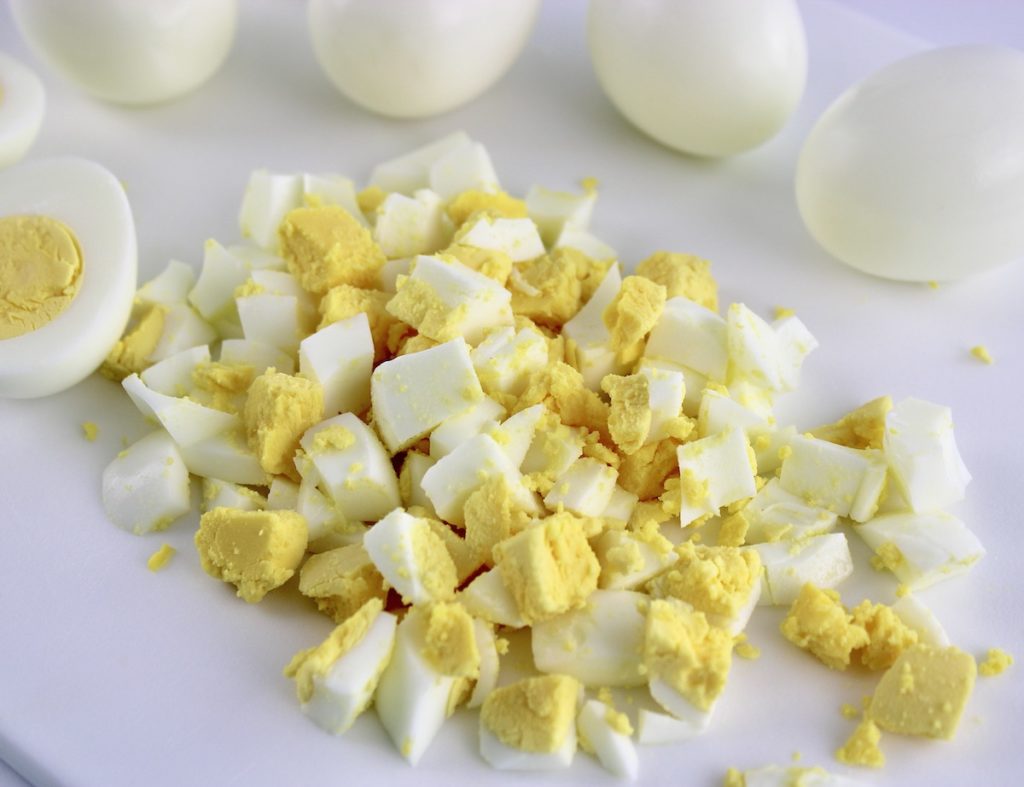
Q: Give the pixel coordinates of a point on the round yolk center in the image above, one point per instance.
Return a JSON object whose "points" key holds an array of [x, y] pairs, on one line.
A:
{"points": [[40, 272]]}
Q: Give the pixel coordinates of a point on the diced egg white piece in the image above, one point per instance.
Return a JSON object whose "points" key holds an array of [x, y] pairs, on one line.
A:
{"points": [[585, 488], [921, 448], [507, 758], [413, 393], [487, 598], [187, 422], [225, 455], [146, 487], [213, 295], [933, 546], [490, 664], [258, 355], [770, 445], [760, 401], [553, 454], [283, 494], [173, 375], [585, 241], [824, 561], [416, 466], [779, 776], [411, 171], [323, 516], [690, 335], [218, 493], [412, 696], [600, 644], [843, 480], [359, 477], [917, 616], [170, 286], [738, 622], [515, 434], [552, 210], [666, 390], [272, 319], [594, 355], [463, 168], [345, 690], [615, 750], [183, 328], [268, 197], [451, 481], [391, 546], [721, 465], [456, 430], [333, 190], [407, 226], [518, 238], [387, 276], [505, 359], [775, 514], [794, 343], [694, 383], [340, 358], [685, 712], [620, 505], [656, 729], [753, 348], [479, 301], [719, 412], [651, 560], [257, 258]]}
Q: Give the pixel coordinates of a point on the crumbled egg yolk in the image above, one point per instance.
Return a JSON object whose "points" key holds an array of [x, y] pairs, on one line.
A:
{"points": [[860, 428], [682, 275], [161, 557], [278, 410], [90, 430], [450, 641], [341, 581], [861, 748], [714, 580], [996, 662], [981, 352], [534, 714], [130, 354], [496, 203], [629, 416], [325, 246]]}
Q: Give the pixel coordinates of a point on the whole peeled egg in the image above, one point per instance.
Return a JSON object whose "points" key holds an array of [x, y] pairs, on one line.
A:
{"points": [[68, 264], [917, 172], [416, 58], [707, 77], [130, 51], [22, 104]]}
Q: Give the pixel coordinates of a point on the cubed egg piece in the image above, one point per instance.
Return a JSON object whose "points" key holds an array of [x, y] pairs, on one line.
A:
{"points": [[487, 598], [846, 481], [218, 493], [465, 167], [585, 488], [516, 433], [332, 190], [186, 421], [225, 455], [718, 412], [691, 335], [630, 558], [340, 358], [213, 294], [777, 515], [715, 471], [183, 328], [920, 618], [173, 375], [753, 348], [411, 557], [411, 171], [168, 287], [268, 197], [552, 211], [608, 733], [505, 359], [146, 487], [595, 357], [453, 432], [487, 644], [407, 226], [518, 238], [823, 560], [259, 355]]}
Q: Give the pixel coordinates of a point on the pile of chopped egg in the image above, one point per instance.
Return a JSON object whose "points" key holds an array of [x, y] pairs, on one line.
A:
{"points": [[451, 415]]}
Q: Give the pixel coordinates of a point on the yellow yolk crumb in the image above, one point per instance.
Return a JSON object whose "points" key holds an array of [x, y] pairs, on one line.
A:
{"points": [[40, 272], [493, 263], [783, 311], [887, 557], [551, 289], [130, 354], [888, 636], [548, 568], [370, 198], [629, 419], [562, 389], [450, 641], [90, 430], [746, 649], [333, 438], [818, 623], [491, 516], [316, 662], [256, 551], [860, 428], [226, 383], [632, 314], [533, 714], [996, 662], [325, 246], [415, 343], [924, 692], [341, 581], [682, 275], [278, 411], [981, 352], [849, 711], [344, 301], [644, 472], [861, 748], [733, 532], [465, 560], [714, 580], [496, 203], [684, 650], [161, 557]]}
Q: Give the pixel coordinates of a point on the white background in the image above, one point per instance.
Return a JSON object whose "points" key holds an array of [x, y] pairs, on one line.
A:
{"points": [[203, 671]]}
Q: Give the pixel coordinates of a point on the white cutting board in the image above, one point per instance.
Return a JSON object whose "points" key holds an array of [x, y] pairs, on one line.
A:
{"points": [[111, 675]]}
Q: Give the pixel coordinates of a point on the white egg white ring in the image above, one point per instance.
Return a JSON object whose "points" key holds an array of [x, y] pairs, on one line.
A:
{"points": [[90, 201], [22, 105]]}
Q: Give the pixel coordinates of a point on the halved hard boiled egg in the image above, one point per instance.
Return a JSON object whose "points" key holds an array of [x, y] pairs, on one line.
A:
{"points": [[22, 102], [68, 262]]}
